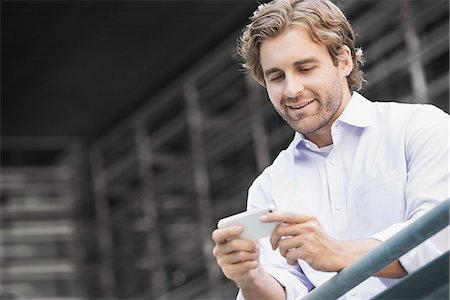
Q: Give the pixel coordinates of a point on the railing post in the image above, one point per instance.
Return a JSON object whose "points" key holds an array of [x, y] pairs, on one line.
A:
{"points": [[259, 134], [107, 272], [158, 276], [416, 70], [201, 182], [78, 161]]}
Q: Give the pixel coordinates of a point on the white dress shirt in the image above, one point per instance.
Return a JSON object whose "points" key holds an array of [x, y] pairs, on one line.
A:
{"points": [[388, 165]]}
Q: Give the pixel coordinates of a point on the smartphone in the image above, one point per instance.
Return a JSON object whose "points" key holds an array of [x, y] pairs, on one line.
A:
{"points": [[254, 229]]}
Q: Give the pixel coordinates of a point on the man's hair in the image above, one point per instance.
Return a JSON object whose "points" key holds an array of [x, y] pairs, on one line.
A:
{"points": [[324, 21]]}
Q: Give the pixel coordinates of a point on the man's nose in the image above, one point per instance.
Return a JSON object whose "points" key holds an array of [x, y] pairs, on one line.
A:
{"points": [[293, 86]]}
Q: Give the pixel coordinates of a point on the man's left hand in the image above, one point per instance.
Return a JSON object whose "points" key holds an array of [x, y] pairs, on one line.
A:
{"points": [[301, 236]]}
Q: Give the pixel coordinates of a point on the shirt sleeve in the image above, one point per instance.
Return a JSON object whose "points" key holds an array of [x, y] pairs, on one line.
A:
{"points": [[427, 156], [293, 280]]}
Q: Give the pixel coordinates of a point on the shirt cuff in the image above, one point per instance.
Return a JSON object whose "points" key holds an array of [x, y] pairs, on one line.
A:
{"points": [[392, 230], [423, 253]]}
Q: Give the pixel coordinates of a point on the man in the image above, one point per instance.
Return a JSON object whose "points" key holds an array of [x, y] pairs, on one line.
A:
{"points": [[356, 172]]}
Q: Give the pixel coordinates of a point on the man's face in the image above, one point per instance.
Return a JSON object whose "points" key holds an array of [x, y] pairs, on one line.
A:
{"points": [[303, 84]]}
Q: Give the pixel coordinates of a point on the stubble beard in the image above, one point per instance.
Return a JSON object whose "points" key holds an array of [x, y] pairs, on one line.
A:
{"points": [[328, 106]]}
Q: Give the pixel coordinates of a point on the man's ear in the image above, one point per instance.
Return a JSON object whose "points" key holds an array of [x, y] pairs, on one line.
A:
{"points": [[345, 60]]}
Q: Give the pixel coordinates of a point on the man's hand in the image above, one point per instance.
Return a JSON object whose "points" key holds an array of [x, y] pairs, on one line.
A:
{"points": [[237, 258], [302, 237], [239, 261]]}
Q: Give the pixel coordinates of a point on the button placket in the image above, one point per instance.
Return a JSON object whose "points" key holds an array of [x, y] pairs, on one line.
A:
{"points": [[337, 196]]}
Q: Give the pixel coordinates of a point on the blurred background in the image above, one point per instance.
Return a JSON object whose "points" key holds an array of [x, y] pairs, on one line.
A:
{"points": [[128, 130]]}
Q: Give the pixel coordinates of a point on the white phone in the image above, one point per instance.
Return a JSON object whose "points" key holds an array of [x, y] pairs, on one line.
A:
{"points": [[254, 229]]}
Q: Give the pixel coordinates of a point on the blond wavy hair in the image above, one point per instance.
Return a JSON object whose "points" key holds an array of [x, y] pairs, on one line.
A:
{"points": [[324, 21]]}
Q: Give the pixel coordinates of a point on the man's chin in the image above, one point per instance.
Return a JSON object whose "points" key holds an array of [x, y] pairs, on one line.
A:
{"points": [[297, 128], [304, 129]]}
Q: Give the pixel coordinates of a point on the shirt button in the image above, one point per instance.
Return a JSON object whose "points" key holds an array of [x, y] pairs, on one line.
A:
{"points": [[339, 206], [333, 161], [353, 292]]}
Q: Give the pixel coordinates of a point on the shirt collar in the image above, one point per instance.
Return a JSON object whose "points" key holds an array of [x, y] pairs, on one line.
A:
{"points": [[358, 112]]}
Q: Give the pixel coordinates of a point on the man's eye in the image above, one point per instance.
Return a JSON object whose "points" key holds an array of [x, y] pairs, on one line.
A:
{"points": [[305, 70], [276, 78]]}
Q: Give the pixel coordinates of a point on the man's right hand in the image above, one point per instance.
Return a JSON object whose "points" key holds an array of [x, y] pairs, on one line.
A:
{"points": [[238, 258], [239, 261]]}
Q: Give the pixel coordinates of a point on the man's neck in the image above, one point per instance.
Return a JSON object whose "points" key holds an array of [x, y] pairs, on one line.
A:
{"points": [[321, 137]]}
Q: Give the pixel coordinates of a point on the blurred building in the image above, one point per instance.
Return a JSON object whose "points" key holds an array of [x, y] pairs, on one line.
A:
{"points": [[128, 130]]}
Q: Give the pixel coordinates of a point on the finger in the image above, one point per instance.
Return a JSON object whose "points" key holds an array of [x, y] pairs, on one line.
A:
{"points": [[239, 245], [239, 257], [289, 244], [285, 217], [235, 245], [234, 271], [282, 231], [292, 229], [294, 255], [223, 234], [275, 237]]}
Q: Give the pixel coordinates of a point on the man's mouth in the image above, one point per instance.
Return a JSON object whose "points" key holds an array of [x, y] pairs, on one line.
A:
{"points": [[300, 105]]}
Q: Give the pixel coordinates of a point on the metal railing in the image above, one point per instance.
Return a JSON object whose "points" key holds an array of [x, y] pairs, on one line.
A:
{"points": [[405, 240]]}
